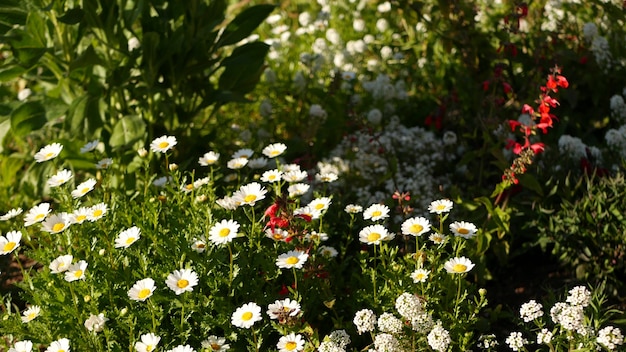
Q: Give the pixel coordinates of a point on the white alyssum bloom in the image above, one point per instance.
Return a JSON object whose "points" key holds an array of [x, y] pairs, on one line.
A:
{"points": [[48, 152], [579, 296], [572, 147], [10, 241], [163, 144], [37, 214], [223, 232], [84, 188], [610, 337], [544, 337], [245, 316], [439, 338], [76, 271], [142, 290], [530, 311], [95, 323], [515, 341], [182, 280], [340, 338], [291, 342], [364, 320], [422, 323], [59, 178], [89, 146], [415, 226], [11, 214], [449, 138], [31, 313], [375, 116], [60, 345], [22, 346], [127, 237], [408, 305], [148, 343], [569, 317], [316, 111], [61, 264], [387, 322], [56, 223], [387, 342], [376, 212]]}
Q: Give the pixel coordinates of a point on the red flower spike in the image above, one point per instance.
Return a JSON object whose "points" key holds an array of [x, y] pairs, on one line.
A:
{"points": [[271, 211], [514, 124], [527, 109], [537, 147], [562, 81]]}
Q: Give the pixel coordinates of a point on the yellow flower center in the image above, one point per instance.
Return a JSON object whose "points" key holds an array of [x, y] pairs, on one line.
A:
{"points": [[32, 316], [441, 207], [224, 232], [271, 177], [84, 190], [376, 213], [58, 226], [143, 293], [459, 268], [189, 187], [215, 347], [373, 237], [78, 273], [130, 240], [277, 236], [49, 155], [39, 216], [246, 316], [274, 152], [182, 283], [319, 206], [290, 346], [9, 246], [420, 276], [463, 231], [149, 348], [292, 260], [200, 245], [80, 218], [416, 228], [164, 145], [250, 198]]}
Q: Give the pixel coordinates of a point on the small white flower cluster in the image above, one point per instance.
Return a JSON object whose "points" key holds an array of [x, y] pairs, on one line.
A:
{"points": [[336, 341], [599, 46], [365, 156], [618, 108], [610, 337], [572, 147], [516, 341], [530, 311]]}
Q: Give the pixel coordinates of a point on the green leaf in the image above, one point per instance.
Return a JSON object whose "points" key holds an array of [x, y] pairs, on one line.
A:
{"points": [[87, 58], [5, 126], [72, 16], [244, 24], [126, 131], [11, 14], [10, 72], [27, 118], [243, 67], [25, 48]]}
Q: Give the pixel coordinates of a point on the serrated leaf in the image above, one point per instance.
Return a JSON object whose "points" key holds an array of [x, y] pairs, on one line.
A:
{"points": [[27, 118], [126, 131], [244, 24]]}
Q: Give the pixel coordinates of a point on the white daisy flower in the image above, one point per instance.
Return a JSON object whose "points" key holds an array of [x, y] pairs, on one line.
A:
{"points": [[257, 163], [458, 265], [209, 158], [215, 343], [274, 150], [198, 245], [283, 309], [31, 313], [104, 163], [182, 280], [437, 238], [271, 176], [80, 215], [294, 176], [9, 242], [89, 146], [84, 188], [243, 153], [60, 345], [37, 214], [297, 189], [76, 271], [11, 214], [246, 315], [56, 223], [277, 234], [319, 205], [127, 237], [327, 251], [163, 144], [60, 178], [142, 290], [237, 163], [95, 323], [97, 212], [227, 203], [375, 234], [223, 232], [181, 348], [420, 275], [292, 259], [48, 152], [249, 194], [463, 229], [440, 206], [326, 177], [291, 342], [22, 346], [415, 226], [148, 343], [61, 264], [353, 209], [376, 212]]}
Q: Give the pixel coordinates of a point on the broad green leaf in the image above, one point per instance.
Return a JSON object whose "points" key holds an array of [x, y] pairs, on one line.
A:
{"points": [[11, 14], [72, 16], [36, 27], [25, 48], [126, 131], [10, 72], [28, 117], [244, 24], [5, 126], [87, 58], [243, 67]]}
